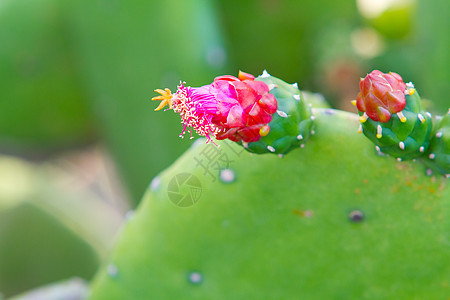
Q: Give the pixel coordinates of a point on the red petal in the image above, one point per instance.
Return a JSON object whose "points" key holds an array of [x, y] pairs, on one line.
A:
{"points": [[396, 101], [245, 76], [269, 103], [383, 114], [226, 78], [360, 105], [235, 117]]}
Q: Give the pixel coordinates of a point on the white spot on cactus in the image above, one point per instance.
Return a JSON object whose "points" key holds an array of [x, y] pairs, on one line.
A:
{"points": [[299, 137], [280, 155], [439, 134], [112, 270], [432, 156], [378, 149], [330, 112], [313, 118], [295, 84], [401, 145], [428, 114], [282, 114], [195, 277], [265, 74], [272, 86], [313, 132], [302, 146], [399, 159], [410, 85], [296, 97], [447, 175], [129, 215], [429, 172], [271, 149], [227, 175], [245, 144], [154, 185]]}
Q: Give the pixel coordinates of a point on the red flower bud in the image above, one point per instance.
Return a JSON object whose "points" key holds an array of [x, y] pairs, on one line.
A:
{"points": [[381, 95]]}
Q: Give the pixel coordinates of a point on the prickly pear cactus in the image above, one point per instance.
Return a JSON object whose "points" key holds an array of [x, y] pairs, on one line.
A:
{"points": [[330, 220]]}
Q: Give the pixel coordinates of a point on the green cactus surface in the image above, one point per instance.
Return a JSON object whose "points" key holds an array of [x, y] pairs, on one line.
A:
{"points": [[403, 139], [439, 152], [332, 220], [291, 126]]}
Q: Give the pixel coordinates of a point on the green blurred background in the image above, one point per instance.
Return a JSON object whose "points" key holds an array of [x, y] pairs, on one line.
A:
{"points": [[79, 141]]}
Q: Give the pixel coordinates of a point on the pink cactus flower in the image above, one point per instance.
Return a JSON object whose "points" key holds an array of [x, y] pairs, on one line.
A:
{"points": [[235, 108], [381, 95]]}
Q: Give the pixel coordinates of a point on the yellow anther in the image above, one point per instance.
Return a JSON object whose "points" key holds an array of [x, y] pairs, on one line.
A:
{"points": [[411, 91], [354, 102], [166, 98]]}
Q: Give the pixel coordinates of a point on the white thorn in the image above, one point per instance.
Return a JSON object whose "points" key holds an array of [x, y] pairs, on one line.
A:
{"points": [[378, 149], [399, 159], [422, 149], [297, 97], [401, 145], [299, 137], [432, 156], [272, 86], [295, 85], [227, 175], [245, 144], [439, 134], [265, 74], [421, 118], [271, 149], [410, 85], [379, 132], [282, 114], [428, 114]]}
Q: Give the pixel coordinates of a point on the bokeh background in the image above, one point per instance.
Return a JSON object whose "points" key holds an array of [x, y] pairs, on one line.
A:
{"points": [[79, 140]]}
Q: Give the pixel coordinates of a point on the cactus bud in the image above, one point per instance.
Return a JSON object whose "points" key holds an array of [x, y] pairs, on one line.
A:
{"points": [[235, 108], [381, 95], [391, 115], [438, 156], [291, 126]]}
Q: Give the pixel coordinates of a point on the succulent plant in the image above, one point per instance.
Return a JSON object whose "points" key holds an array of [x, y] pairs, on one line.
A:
{"points": [[331, 220]]}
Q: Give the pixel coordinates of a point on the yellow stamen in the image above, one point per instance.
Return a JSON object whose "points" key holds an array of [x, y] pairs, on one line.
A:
{"points": [[411, 91], [166, 98], [354, 102]]}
